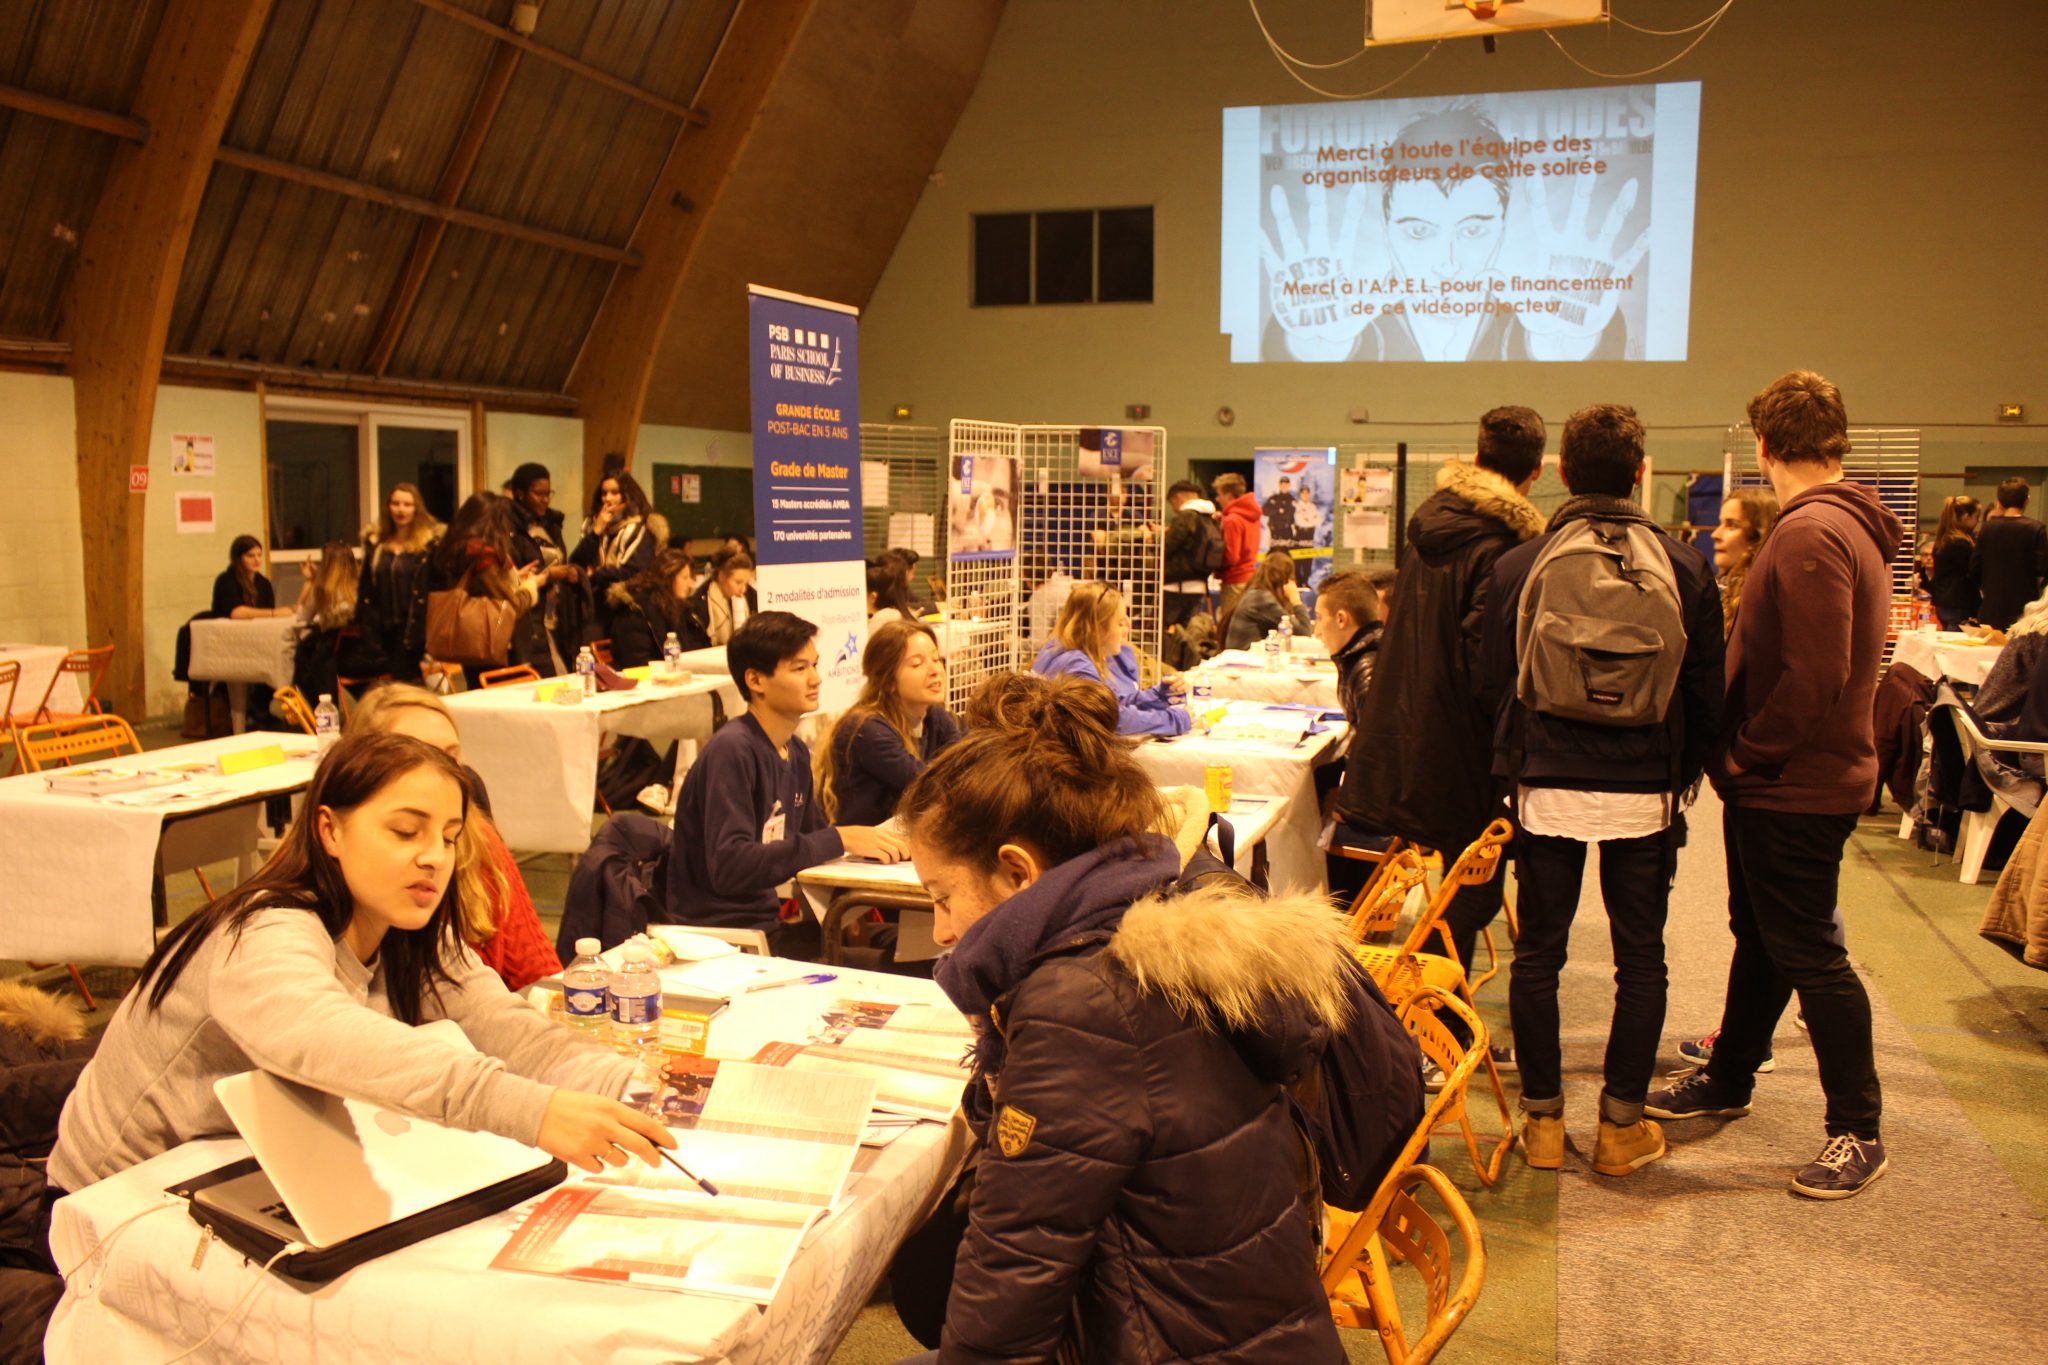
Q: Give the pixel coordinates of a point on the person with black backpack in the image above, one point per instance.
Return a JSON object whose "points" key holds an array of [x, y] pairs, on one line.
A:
{"points": [[1602, 652], [1194, 552], [1146, 1189]]}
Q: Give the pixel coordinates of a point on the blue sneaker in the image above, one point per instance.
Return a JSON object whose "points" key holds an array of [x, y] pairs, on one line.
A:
{"points": [[1700, 1051]]}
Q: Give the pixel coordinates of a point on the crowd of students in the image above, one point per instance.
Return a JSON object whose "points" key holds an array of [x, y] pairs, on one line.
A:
{"points": [[1143, 1189]]}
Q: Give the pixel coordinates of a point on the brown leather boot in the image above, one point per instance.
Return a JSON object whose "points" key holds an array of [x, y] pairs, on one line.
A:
{"points": [[1543, 1141], [1622, 1149]]}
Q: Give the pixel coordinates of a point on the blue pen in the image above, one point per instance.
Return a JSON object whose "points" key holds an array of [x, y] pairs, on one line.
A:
{"points": [[814, 979]]}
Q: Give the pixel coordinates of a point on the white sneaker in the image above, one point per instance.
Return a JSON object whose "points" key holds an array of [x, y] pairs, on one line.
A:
{"points": [[656, 799]]}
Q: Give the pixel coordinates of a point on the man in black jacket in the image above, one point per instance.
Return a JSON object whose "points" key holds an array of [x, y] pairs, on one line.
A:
{"points": [[1619, 788], [1428, 739], [2010, 561], [1190, 533]]}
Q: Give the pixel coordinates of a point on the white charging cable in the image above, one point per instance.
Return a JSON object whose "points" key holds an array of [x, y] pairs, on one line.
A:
{"points": [[241, 1303], [170, 1202]]}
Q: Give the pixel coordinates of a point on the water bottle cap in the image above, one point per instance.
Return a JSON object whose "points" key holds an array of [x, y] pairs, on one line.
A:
{"points": [[325, 697], [589, 947]]}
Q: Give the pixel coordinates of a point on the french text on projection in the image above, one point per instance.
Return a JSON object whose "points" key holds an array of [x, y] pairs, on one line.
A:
{"points": [[1547, 225]]}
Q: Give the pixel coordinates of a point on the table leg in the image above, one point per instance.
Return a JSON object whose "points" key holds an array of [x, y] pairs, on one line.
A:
{"points": [[238, 706]]}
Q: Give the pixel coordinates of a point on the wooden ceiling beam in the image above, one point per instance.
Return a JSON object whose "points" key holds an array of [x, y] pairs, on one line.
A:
{"points": [[426, 208], [483, 112], [449, 10], [64, 111], [117, 311], [611, 374]]}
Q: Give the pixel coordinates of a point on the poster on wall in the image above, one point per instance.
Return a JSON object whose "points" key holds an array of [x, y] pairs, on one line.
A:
{"points": [[1366, 487], [1297, 494], [192, 455], [981, 508], [807, 499], [195, 514], [1115, 453], [690, 487]]}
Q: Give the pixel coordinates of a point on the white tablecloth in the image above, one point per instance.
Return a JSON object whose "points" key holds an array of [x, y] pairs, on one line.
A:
{"points": [[259, 650], [539, 758], [79, 871], [38, 666], [141, 1299], [1241, 675], [1264, 770], [1954, 656]]}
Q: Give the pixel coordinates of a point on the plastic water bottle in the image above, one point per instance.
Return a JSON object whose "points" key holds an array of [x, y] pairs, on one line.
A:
{"points": [[326, 724], [672, 655], [586, 990], [1286, 636], [586, 668], [1201, 698], [1273, 651], [636, 1004]]}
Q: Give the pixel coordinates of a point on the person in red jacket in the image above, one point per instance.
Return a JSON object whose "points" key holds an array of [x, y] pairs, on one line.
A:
{"points": [[1242, 522], [1796, 764]]}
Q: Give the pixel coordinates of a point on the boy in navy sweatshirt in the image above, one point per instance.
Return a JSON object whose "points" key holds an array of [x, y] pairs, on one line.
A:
{"points": [[746, 820]]}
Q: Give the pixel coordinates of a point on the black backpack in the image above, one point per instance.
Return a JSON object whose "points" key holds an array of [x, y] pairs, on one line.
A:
{"points": [[1362, 1100], [1207, 554], [619, 886]]}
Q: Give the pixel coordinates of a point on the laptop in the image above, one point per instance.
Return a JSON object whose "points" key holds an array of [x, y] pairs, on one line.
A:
{"points": [[331, 1169]]}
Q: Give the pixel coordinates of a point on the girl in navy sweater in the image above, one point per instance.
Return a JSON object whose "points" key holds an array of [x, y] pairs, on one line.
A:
{"points": [[899, 724]]}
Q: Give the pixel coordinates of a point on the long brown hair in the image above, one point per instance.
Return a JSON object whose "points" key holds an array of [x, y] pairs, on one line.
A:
{"points": [[1085, 623], [1759, 515], [301, 875], [479, 543], [659, 577], [878, 697], [335, 586], [1044, 764], [1276, 573], [1951, 527], [483, 884], [419, 532]]}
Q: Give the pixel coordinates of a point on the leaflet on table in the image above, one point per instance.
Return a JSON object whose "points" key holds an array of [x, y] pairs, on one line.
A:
{"points": [[777, 1144], [919, 1087], [1285, 728], [922, 1017], [734, 975]]}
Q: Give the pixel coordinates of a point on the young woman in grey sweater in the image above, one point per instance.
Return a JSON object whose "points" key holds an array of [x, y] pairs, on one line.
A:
{"points": [[318, 968]]}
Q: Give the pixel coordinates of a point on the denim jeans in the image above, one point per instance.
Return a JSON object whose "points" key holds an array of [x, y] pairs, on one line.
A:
{"points": [[1635, 881], [1783, 873]]}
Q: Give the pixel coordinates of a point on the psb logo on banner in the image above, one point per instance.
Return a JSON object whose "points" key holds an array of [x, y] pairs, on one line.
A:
{"points": [[803, 355]]}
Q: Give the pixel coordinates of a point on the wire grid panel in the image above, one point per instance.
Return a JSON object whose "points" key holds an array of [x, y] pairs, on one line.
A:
{"points": [[1082, 520], [1887, 459], [979, 513], [904, 513], [1425, 463]]}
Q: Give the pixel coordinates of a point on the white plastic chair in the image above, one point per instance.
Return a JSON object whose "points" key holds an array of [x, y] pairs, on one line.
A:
{"points": [[1974, 840]]}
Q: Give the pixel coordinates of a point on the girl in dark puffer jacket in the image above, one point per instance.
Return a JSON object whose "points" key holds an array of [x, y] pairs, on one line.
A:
{"points": [[1144, 1194]]}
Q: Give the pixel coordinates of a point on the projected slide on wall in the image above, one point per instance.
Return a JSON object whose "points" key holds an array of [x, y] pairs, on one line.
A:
{"points": [[1544, 225]]}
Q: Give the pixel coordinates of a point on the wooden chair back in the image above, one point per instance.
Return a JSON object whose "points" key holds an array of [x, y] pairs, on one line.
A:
{"points": [[61, 743], [10, 678], [1423, 1243], [603, 650], [508, 677], [89, 667]]}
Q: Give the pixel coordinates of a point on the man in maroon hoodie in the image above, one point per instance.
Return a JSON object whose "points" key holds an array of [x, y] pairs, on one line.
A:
{"points": [[1242, 522], [1798, 761]]}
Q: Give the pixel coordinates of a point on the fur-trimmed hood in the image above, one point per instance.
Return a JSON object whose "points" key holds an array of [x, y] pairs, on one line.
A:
{"points": [[1487, 495], [1268, 974], [41, 1018]]}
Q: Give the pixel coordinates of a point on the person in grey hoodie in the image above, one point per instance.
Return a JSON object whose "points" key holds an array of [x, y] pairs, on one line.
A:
{"points": [[317, 968], [1796, 764]]}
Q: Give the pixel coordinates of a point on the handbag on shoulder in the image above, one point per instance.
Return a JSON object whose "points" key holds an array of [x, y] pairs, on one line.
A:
{"points": [[468, 629]]}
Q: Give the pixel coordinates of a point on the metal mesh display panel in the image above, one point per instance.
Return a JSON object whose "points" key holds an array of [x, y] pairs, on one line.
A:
{"points": [[977, 515], [1080, 520], [908, 516]]}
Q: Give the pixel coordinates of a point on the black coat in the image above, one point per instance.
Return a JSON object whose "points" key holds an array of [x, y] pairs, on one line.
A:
{"points": [[696, 632], [1145, 1186], [2008, 564], [872, 768], [227, 594], [639, 627], [1544, 751], [571, 601], [392, 607], [1425, 737]]}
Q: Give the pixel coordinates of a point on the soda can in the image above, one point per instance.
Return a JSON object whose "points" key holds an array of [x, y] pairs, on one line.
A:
{"points": [[1216, 784]]}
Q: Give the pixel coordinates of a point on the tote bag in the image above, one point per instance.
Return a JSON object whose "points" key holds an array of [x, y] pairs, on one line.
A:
{"points": [[466, 629]]}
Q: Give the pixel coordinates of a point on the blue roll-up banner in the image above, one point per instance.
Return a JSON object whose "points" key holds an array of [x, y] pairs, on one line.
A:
{"points": [[1297, 493], [807, 504]]}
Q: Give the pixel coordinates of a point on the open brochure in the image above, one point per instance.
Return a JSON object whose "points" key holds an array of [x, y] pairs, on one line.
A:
{"points": [[920, 1087], [777, 1144]]}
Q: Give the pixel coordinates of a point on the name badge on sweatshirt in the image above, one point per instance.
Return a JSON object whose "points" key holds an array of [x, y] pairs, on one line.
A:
{"points": [[773, 831]]}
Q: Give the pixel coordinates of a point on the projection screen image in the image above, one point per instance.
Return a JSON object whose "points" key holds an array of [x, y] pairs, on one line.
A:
{"points": [[1546, 225]]}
